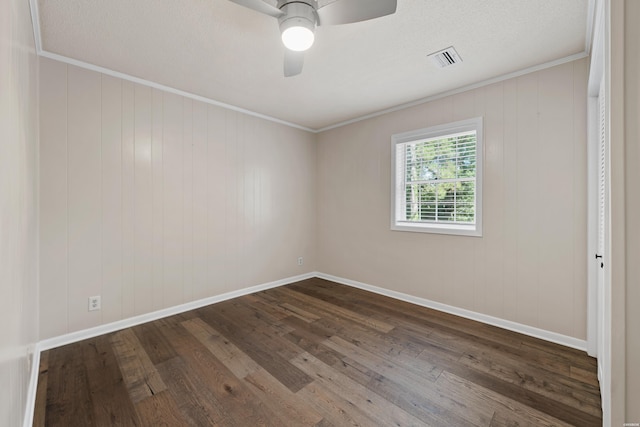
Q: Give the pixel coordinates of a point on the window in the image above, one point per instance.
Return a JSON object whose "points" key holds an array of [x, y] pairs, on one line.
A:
{"points": [[437, 179]]}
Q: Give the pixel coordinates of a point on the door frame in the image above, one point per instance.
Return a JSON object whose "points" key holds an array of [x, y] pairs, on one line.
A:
{"points": [[598, 297]]}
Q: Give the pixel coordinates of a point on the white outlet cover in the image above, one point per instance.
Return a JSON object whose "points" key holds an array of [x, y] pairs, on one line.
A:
{"points": [[94, 303]]}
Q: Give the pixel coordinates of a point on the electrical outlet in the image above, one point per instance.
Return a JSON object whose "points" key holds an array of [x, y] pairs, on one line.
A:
{"points": [[300, 260], [94, 303]]}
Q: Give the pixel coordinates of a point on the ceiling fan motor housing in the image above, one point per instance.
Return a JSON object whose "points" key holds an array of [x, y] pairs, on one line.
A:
{"points": [[297, 14]]}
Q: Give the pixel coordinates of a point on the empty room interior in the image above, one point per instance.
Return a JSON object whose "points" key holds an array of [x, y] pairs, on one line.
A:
{"points": [[320, 212]]}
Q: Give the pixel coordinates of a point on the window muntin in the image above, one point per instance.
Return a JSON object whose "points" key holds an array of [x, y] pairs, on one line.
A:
{"points": [[437, 179]]}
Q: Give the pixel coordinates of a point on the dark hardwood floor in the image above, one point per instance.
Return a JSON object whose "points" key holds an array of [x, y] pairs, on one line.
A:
{"points": [[316, 353]]}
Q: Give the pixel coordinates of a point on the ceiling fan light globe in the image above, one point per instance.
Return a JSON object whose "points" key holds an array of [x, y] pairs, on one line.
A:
{"points": [[298, 38]]}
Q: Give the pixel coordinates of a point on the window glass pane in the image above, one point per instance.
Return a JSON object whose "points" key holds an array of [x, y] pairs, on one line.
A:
{"points": [[437, 173]]}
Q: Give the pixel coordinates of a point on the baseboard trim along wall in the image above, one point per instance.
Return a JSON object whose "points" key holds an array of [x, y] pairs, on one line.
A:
{"points": [[468, 314], [166, 312], [61, 340], [65, 339], [33, 386]]}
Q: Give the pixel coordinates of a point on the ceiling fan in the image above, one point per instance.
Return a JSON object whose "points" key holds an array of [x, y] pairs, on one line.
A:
{"points": [[298, 20]]}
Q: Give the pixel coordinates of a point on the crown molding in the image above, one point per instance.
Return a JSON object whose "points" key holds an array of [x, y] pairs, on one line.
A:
{"points": [[591, 16]]}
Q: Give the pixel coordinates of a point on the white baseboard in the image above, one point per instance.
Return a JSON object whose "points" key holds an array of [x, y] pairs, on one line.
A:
{"points": [[61, 340], [33, 386], [166, 312], [554, 337], [133, 321]]}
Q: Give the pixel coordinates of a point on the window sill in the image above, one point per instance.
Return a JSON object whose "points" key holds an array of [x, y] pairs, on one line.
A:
{"points": [[453, 229]]}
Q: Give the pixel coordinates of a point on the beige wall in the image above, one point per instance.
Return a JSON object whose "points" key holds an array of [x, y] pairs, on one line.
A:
{"points": [[530, 265], [151, 200], [622, 58], [18, 199], [630, 344], [632, 207]]}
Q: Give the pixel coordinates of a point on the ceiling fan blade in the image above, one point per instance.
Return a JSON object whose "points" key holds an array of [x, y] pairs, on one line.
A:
{"points": [[348, 11], [293, 62], [260, 6]]}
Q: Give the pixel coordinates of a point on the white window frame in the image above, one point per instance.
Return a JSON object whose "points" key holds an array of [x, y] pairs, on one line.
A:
{"points": [[398, 176]]}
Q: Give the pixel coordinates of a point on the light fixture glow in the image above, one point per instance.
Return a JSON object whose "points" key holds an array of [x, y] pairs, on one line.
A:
{"points": [[298, 38], [297, 25]]}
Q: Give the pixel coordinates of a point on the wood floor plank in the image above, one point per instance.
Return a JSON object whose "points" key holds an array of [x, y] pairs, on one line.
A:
{"points": [[482, 397], [39, 412], [290, 408], [571, 356], [321, 354], [336, 409], [159, 410], [422, 382], [312, 344], [407, 398], [226, 389], [262, 350], [154, 343], [382, 342], [279, 309], [330, 310], [253, 316], [269, 307], [382, 364], [231, 356], [299, 312], [566, 390], [525, 397], [463, 343], [405, 314], [584, 376], [105, 381], [68, 400], [510, 419], [363, 398], [140, 375], [196, 402]]}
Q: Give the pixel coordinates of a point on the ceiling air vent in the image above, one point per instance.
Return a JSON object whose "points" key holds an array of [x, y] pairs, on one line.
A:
{"points": [[445, 57]]}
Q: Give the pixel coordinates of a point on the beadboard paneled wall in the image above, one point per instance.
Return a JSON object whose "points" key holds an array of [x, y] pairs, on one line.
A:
{"points": [[150, 199], [18, 208], [530, 265]]}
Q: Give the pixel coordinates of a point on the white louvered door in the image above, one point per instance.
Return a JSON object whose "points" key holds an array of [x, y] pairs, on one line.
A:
{"points": [[602, 220]]}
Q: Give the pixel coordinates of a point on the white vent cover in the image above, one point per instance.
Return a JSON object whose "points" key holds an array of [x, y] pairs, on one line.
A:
{"points": [[445, 57]]}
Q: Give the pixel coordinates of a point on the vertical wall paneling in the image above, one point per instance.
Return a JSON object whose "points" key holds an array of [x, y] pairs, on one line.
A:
{"points": [[111, 191], [128, 200], [19, 72], [231, 166], [462, 251], [187, 200], [556, 181], [53, 199], [528, 194], [510, 197], [84, 181], [201, 201], [151, 200], [172, 145], [579, 192], [143, 200], [168, 200], [157, 217], [491, 298], [524, 268], [216, 197], [248, 195]]}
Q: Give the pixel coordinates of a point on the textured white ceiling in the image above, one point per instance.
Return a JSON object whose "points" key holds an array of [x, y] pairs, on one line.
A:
{"points": [[225, 52]]}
